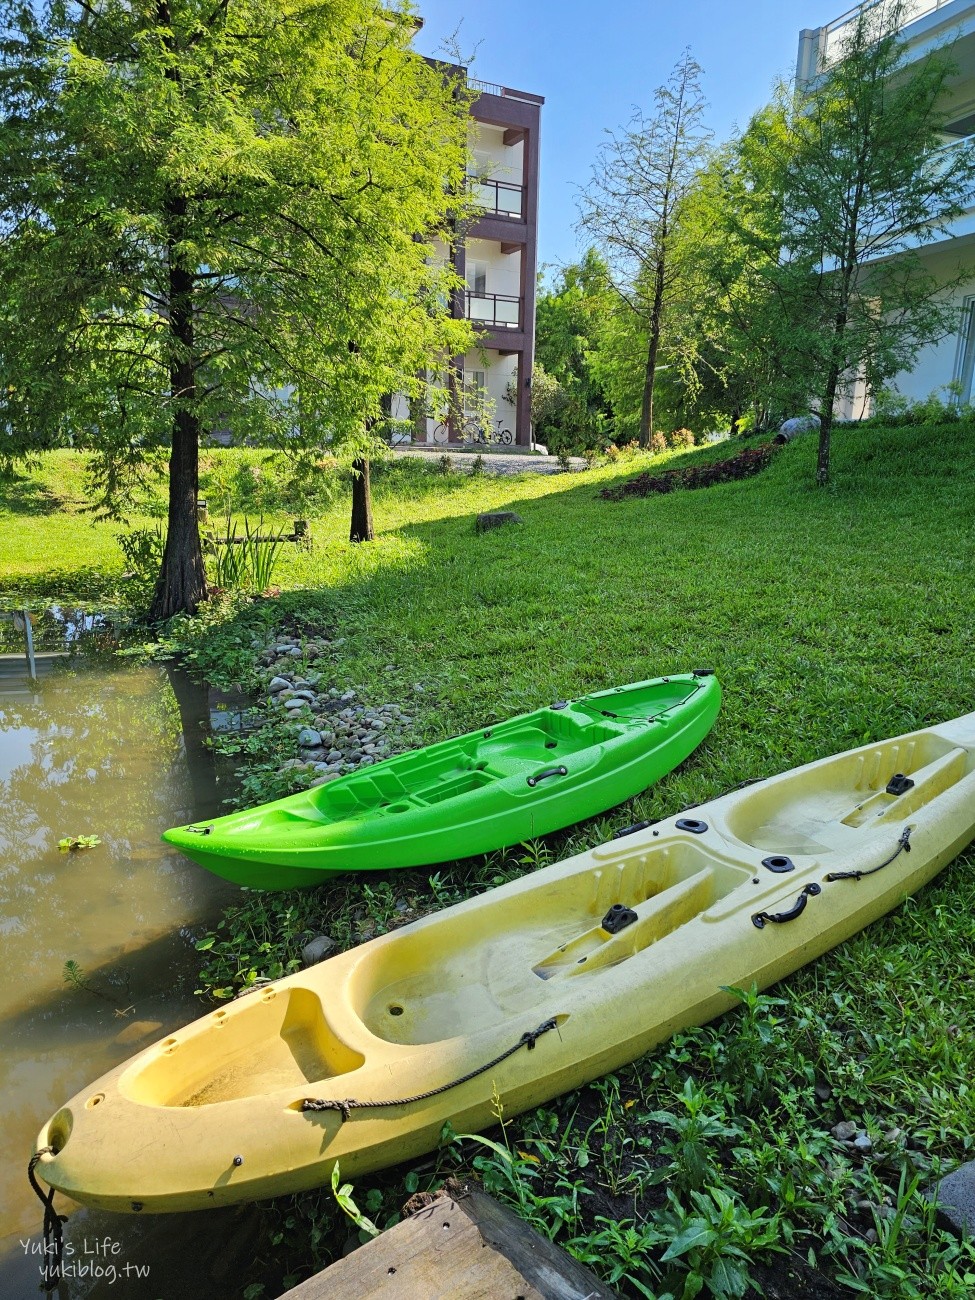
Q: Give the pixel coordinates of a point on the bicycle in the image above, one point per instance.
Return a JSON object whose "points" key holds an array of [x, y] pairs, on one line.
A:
{"points": [[473, 431]]}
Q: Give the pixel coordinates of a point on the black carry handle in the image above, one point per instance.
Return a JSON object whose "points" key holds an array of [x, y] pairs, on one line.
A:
{"points": [[549, 771], [799, 906]]}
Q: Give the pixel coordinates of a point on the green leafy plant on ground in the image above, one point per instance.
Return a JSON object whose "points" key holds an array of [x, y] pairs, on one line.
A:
{"points": [[244, 563]]}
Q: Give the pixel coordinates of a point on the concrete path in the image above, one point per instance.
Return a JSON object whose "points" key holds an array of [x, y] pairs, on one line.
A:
{"points": [[495, 462]]}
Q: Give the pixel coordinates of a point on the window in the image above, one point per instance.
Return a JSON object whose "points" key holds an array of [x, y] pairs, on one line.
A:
{"points": [[965, 361], [475, 387], [477, 277]]}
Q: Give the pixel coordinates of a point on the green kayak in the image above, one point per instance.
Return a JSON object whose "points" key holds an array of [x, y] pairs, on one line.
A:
{"points": [[502, 785]]}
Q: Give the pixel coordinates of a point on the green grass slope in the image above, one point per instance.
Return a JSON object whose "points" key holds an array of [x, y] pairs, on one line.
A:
{"points": [[832, 617]]}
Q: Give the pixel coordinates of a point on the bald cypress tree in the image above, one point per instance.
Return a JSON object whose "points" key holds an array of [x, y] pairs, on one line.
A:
{"points": [[217, 214]]}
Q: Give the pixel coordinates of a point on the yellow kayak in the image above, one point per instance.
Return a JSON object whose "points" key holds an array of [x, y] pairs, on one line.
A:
{"points": [[531, 989]]}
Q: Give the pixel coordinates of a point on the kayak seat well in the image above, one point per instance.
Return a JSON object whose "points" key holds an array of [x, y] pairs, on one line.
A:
{"points": [[684, 882], [560, 735], [824, 811], [470, 975], [265, 1041], [633, 704]]}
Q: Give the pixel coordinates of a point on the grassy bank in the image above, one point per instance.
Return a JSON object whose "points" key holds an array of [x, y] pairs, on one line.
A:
{"points": [[832, 618]]}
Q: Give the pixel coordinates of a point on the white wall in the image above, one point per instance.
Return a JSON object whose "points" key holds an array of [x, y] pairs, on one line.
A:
{"points": [[499, 372], [503, 269], [936, 363], [494, 158]]}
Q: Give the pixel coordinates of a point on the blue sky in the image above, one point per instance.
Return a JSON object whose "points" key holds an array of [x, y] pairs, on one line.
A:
{"points": [[593, 62]]}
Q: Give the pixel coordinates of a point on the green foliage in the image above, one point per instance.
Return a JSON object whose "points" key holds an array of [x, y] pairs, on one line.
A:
{"points": [[343, 1197], [569, 408], [852, 187], [244, 563], [74, 843], [635, 210], [143, 552], [690, 1151], [216, 217], [893, 411], [712, 1243]]}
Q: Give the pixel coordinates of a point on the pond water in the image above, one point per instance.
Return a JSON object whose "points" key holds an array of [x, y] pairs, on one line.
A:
{"points": [[118, 753]]}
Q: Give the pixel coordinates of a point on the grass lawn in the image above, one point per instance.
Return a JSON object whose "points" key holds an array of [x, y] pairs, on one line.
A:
{"points": [[832, 617]]}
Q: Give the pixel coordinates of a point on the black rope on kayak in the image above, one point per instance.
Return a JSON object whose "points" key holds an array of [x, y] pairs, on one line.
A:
{"points": [[53, 1233], [528, 1039], [903, 846]]}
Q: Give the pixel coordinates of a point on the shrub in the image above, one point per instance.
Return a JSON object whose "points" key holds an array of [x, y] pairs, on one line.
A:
{"points": [[680, 438], [746, 463], [143, 552], [892, 410], [658, 443]]}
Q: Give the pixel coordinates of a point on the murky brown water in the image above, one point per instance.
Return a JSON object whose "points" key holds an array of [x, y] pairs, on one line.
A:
{"points": [[115, 752]]}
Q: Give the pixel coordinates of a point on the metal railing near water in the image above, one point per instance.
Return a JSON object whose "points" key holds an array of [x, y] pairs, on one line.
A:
{"points": [[56, 630], [22, 622]]}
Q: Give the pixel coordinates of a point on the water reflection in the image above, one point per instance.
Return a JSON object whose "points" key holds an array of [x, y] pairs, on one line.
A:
{"points": [[117, 753]]}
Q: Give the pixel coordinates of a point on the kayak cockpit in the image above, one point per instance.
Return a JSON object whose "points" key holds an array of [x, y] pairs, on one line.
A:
{"points": [[278, 1038], [853, 793], [492, 964]]}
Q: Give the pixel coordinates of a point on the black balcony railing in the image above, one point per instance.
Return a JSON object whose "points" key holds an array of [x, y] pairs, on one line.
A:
{"points": [[499, 198], [500, 311]]}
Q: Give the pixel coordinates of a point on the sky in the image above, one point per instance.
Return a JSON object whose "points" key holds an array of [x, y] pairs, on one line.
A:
{"points": [[593, 62]]}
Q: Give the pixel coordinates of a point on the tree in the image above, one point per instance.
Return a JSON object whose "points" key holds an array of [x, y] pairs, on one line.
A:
{"points": [[734, 353], [855, 169], [569, 318], [634, 208], [214, 213]]}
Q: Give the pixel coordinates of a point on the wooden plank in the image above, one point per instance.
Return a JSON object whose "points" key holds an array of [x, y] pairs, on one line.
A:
{"points": [[461, 1245]]}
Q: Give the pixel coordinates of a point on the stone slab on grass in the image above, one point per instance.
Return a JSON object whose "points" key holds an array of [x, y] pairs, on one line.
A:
{"points": [[954, 1197], [497, 519]]}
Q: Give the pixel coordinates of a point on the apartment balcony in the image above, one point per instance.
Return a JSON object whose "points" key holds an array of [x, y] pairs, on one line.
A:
{"points": [[503, 92], [495, 311], [932, 21], [499, 198]]}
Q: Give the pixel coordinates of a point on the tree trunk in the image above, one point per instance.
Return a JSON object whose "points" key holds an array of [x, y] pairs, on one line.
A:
{"points": [[361, 530], [829, 397], [826, 428], [646, 412], [181, 584]]}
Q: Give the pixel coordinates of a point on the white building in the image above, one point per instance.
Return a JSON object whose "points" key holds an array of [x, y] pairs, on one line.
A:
{"points": [[498, 262], [926, 25]]}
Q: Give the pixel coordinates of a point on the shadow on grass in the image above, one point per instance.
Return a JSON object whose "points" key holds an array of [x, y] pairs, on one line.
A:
{"points": [[26, 495], [788, 591]]}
